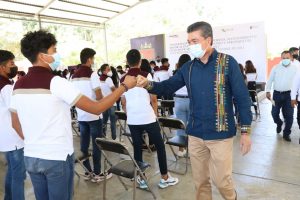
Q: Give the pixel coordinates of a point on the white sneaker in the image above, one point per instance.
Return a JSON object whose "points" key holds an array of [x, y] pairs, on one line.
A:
{"points": [[169, 182], [87, 176], [141, 182], [100, 177], [181, 153]]}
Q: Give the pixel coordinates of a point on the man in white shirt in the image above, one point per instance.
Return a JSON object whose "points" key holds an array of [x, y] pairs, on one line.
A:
{"points": [[281, 78], [141, 117], [10, 142], [90, 125], [107, 87], [295, 56], [40, 112]]}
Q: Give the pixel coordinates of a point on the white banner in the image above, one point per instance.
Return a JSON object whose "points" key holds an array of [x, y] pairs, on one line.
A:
{"points": [[244, 42]]}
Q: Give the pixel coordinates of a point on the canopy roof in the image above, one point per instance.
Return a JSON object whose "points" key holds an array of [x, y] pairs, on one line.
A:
{"points": [[78, 12]]}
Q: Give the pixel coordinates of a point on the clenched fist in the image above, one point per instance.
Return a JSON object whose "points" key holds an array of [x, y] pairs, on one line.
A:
{"points": [[130, 81], [141, 81]]}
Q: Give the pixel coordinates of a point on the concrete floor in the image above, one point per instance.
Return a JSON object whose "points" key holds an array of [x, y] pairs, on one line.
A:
{"points": [[270, 172]]}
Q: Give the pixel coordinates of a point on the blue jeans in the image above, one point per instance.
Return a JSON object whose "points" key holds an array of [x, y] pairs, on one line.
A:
{"points": [[110, 113], [87, 130], [182, 111], [15, 175], [153, 131], [283, 101], [51, 179]]}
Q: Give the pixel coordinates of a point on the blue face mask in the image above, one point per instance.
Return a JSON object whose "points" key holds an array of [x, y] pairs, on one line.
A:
{"points": [[286, 62], [196, 50], [56, 63]]}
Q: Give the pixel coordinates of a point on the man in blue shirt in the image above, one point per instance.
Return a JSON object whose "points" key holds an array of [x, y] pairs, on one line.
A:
{"points": [[213, 79]]}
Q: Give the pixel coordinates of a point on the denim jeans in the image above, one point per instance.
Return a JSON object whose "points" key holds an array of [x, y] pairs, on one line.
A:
{"points": [[283, 101], [153, 131], [182, 111], [15, 175], [51, 179], [110, 113], [87, 130]]}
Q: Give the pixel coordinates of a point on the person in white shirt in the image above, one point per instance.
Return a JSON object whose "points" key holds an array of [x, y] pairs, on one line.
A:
{"points": [[90, 125], [251, 75], [107, 87], [281, 78], [182, 102], [10, 142], [295, 56], [40, 112], [141, 117]]}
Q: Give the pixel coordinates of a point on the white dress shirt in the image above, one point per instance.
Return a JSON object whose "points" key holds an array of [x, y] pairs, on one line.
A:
{"points": [[281, 78]]}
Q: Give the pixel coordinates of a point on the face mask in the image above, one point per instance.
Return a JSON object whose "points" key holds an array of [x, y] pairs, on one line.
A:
{"points": [[56, 63], [286, 62], [13, 72], [295, 56], [196, 50], [109, 74]]}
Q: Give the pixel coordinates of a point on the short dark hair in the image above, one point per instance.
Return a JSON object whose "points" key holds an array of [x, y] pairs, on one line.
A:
{"points": [[285, 52], [183, 59], [119, 67], [85, 54], [152, 62], [133, 57], [163, 60], [204, 27], [5, 56], [292, 49], [103, 67], [36, 42]]}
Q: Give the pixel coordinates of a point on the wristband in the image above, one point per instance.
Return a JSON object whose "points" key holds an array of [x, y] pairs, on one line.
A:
{"points": [[149, 86], [125, 86], [245, 130]]}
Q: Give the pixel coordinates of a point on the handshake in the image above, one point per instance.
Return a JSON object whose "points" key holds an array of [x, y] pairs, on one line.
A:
{"points": [[132, 81]]}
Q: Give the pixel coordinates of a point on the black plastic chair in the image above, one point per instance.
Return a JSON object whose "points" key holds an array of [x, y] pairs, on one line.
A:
{"points": [[166, 105], [126, 168], [178, 141], [122, 117]]}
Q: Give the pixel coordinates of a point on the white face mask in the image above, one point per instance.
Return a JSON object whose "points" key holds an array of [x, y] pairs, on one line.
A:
{"points": [[196, 50], [109, 74], [56, 61]]}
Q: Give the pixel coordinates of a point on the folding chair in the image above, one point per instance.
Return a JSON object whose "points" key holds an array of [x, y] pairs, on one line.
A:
{"points": [[178, 141], [74, 123], [80, 161], [255, 104], [126, 168], [166, 105], [121, 116]]}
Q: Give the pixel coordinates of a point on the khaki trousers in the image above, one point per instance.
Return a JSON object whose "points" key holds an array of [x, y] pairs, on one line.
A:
{"points": [[212, 159]]}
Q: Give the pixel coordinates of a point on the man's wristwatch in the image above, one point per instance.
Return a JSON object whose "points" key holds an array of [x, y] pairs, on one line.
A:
{"points": [[245, 130], [125, 86]]}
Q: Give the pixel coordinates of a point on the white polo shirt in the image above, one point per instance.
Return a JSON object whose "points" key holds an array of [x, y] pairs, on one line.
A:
{"points": [[9, 139], [138, 104], [161, 75], [87, 82], [42, 102], [106, 84]]}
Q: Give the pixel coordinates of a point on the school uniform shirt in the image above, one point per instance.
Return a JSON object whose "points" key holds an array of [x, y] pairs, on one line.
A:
{"points": [[162, 75], [106, 84], [138, 104], [42, 102], [251, 77], [9, 139], [87, 82]]}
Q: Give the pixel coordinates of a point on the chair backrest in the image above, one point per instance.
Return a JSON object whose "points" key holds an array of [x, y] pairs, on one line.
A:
{"points": [[171, 123], [112, 146], [167, 103], [121, 115]]}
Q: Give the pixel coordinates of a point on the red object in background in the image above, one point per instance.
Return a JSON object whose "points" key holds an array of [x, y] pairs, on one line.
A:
{"points": [[271, 64], [148, 54]]}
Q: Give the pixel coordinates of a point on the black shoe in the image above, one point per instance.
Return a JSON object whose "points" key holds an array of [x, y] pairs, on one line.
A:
{"points": [[287, 138], [279, 128]]}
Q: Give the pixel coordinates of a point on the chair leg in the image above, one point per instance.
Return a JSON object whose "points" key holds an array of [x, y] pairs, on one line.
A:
{"points": [[104, 184], [145, 179], [134, 184]]}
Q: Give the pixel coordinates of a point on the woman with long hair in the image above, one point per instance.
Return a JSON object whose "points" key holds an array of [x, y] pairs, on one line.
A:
{"points": [[251, 75]]}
